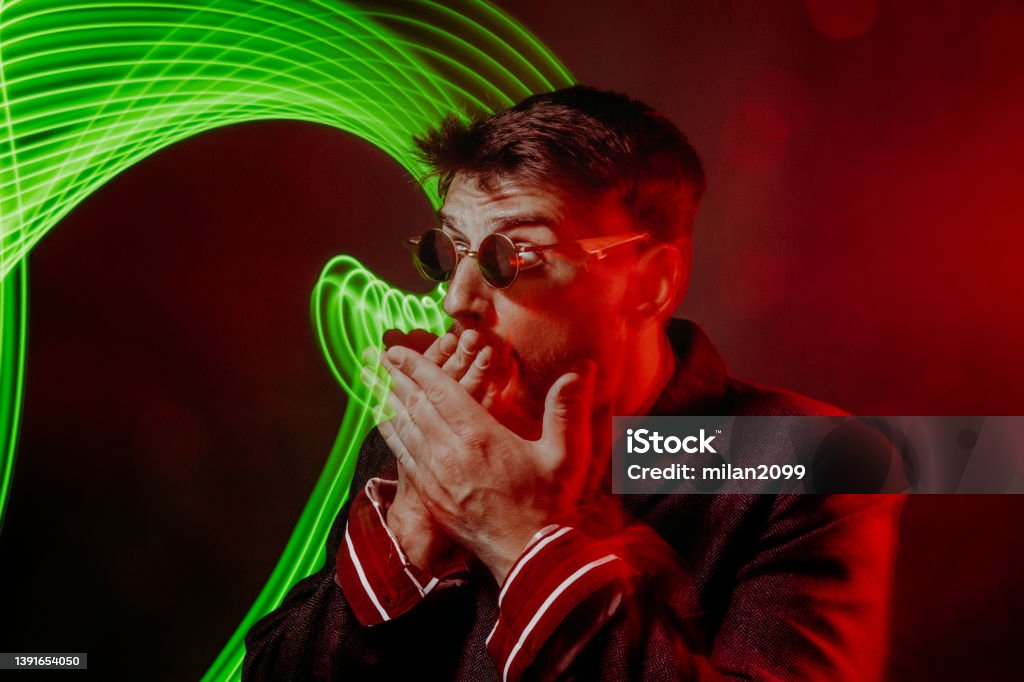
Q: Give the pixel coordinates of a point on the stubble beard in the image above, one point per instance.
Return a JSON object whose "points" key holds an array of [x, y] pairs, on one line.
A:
{"points": [[532, 372], [536, 374]]}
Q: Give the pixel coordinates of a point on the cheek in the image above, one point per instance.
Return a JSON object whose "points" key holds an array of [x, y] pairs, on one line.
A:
{"points": [[596, 312], [531, 329], [546, 339], [573, 294], [578, 317]]}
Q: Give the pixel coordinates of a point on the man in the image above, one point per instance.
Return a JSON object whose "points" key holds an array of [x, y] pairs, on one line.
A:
{"points": [[482, 541]]}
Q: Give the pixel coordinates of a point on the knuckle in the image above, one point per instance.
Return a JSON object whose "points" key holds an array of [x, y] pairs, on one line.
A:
{"points": [[404, 429], [463, 362], [473, 440], [436, 394], [445, 462], [450, 469], [464, 430], [414, 405], [562, 410]]}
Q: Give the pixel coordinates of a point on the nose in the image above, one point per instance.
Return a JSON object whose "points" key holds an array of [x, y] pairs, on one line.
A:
{"points": [[468, 297]]}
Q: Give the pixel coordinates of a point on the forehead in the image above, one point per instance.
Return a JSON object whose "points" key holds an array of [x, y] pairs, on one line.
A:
{"points": [[470, 206]]}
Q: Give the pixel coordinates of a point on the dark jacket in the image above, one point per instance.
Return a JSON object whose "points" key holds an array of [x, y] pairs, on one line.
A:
{"points": [[762, 587]]}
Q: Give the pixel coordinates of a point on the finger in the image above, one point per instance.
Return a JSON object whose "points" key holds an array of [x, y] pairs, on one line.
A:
{"points": [[382, 412], [413, 400], [407, 429], [462, 359], [371, 358], [437, 349], [411, 451], [449, 400], [442, 349], [490, 375], [405, 432], [375, 377], [489, 395], [475, 379], [405, 460], [379, 385], [567, 409]]}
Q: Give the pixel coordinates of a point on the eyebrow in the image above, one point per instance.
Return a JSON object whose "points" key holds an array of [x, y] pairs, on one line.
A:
{"points": [[504, 223]]}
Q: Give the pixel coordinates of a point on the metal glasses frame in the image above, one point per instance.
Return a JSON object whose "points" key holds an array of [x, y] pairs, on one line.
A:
{"points": [[595, 247]]}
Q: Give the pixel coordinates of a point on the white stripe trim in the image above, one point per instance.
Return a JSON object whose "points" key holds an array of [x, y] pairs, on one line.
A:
{"points": [[415, 583], [529, 555], [362, 576], [543, 532], [487, 642], [383, 522], [394, 540], [423, 590], [547, 604]]}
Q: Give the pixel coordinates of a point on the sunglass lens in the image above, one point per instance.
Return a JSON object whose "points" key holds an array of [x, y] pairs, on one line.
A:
{"points": [[435, 256], [499, 261]]}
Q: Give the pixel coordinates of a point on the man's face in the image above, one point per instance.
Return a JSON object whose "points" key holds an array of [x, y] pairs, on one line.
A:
{"points": [[566, 308]]}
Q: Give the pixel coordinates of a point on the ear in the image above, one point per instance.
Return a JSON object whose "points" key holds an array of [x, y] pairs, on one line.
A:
{"points": [[661, 277]]}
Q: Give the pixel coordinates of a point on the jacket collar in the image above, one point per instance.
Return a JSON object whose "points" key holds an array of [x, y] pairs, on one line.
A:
{"points": [[699, 381]]}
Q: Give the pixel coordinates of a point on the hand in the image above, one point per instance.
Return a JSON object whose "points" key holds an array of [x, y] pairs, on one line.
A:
{"points": [[424, 543], [483, 371], [489, 488]]}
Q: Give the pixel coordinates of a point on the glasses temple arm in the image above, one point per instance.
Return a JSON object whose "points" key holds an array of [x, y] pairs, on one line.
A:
{"points": [[600, 246]]}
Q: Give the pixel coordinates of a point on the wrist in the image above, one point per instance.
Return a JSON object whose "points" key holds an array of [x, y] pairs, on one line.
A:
{"points": [[419, 537], [500, 556]]}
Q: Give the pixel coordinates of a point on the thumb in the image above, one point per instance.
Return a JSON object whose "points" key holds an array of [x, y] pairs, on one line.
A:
{"points": [[567, 409]]}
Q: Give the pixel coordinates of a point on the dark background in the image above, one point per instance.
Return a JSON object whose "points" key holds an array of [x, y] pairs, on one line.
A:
{"points": [[860, 242]]}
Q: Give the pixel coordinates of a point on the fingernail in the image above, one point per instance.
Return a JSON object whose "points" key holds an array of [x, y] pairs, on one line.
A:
{"points": [[469, 340], [394, 355], [483, 358], [367, 376], [449, 343], [371, 356]]}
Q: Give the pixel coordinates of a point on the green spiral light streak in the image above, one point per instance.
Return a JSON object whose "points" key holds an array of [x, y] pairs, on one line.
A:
{"points": [[89, 88]]}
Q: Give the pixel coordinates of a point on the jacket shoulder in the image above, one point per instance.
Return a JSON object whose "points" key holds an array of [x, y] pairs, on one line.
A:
{"points": [[747, 398]]}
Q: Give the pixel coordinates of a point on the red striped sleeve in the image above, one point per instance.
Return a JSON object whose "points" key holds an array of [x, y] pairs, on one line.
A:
{"points": [[373, 572], [559, 569]]}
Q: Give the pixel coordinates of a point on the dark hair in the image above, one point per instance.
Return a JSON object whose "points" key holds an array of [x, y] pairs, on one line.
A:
{"points": [[580, 139]]}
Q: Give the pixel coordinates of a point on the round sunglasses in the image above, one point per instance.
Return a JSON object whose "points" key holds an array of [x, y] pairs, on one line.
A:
{"points": [[436, 254]]}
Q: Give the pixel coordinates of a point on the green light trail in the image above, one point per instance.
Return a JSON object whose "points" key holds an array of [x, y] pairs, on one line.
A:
{"points": [[90, 88]]}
